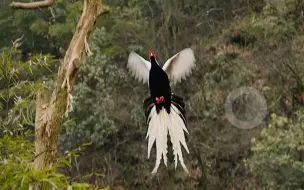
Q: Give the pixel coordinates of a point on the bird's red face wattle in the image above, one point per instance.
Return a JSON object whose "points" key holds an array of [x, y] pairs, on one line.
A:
{"points": [[151, 54]]}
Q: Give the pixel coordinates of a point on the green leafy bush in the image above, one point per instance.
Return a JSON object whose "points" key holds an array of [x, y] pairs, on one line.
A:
{"points": [[17, 151], [17, 171], [277, 20], [278, 155]]}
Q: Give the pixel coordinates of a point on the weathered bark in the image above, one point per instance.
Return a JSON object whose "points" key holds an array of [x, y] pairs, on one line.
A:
{"points": [[50, 113], [40, 121]]}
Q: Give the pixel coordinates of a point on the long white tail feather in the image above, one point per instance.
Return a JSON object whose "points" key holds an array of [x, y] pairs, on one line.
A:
{"points": [[165, 140], [173, 144], [159, 126], [158, 145], [150, 128], [179, 133], [182, 123], [152, 131]]}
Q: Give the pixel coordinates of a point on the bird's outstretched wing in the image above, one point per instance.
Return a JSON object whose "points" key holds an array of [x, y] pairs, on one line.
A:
{"points": [[139, 67], [180, 65]]}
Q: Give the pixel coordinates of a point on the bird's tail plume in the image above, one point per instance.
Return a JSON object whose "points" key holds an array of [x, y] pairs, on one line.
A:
{"points": [[163, 123]]}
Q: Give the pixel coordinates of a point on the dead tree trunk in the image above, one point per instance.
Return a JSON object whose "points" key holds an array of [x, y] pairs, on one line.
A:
{"points": [[50, 112]]}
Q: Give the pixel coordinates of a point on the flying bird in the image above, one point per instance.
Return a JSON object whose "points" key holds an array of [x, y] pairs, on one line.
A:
{"points": [[164, 111]]}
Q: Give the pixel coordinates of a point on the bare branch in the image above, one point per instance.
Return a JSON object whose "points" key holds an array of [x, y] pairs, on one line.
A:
{"points": [[32, 5], [16, 43], [87, 47], [52, 13], [103, 10]]}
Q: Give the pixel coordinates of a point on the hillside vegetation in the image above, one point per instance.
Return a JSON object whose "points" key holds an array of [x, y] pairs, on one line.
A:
{"points": [[236, 43]]}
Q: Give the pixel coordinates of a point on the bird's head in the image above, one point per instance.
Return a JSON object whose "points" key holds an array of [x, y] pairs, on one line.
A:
{"points": [[151, 55]]}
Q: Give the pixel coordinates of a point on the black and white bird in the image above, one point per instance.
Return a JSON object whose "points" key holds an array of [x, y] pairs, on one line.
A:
{"points": [[164, 111]]}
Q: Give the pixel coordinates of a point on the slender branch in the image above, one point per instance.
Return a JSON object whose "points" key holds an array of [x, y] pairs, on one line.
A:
{"points": [[103, 10], [52, 13], [32, 5], [295, 74]]}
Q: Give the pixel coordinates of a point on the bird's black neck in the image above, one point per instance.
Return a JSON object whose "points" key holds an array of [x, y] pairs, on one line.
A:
{"points": [[153, 62]]}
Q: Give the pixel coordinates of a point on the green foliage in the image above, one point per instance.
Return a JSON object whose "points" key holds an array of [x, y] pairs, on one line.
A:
{"points": [[100, 74], [96, 124], [17, 90], [44, 30], [278, 20], [278, 157], [16, 145], [17, 171]]}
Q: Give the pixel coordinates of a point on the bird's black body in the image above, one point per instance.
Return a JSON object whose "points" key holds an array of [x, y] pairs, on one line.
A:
{"points": [[159, 85]]}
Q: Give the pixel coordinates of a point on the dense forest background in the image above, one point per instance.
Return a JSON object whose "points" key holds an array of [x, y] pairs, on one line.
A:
{"points": [[236, 43]]}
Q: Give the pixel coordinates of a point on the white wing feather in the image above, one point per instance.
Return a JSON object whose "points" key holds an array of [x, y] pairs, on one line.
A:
{"points": [[180, 65], [139, 67]]}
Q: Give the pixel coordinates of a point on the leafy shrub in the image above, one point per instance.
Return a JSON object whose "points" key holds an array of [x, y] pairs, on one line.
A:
{"points": [[17, 171], [17, 151], [278, 155], [277, 20]]}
